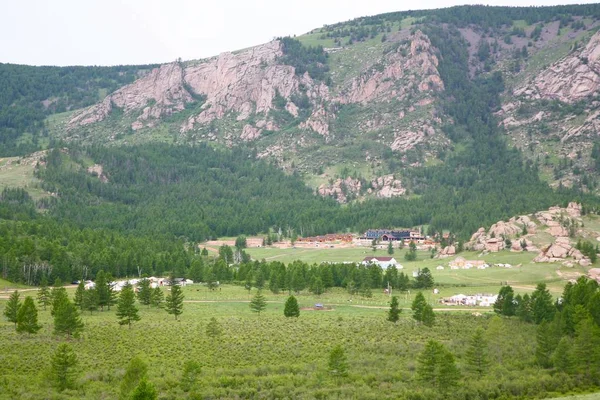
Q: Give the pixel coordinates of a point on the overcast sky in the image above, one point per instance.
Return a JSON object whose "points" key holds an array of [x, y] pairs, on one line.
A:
{"points": [[110, 32]]}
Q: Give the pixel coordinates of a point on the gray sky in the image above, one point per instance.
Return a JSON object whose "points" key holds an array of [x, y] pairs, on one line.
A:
{"points": [[109, 32]]}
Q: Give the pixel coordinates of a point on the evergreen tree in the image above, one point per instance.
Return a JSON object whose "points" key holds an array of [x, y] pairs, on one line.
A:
{"points": [[144, 391], [258, 303], [298, 283], [43, 296], [259, 281], [424, 279], [144, 293], [63, 367], [102, 287], [127, 312], [291, 308], [189, 378], [561, 358], [11, 311], [90, 300], [428, 316], [59, 297], [544, 345], [394, 312], [436, 367], [418, 306], [411, 254], [390, 248], [174, 301], [523, 310], [274, 283], [157, 298], [338, 363], [542, 305], [79, 293], [477, 353], [27, 317], [136, 371], [504, 303], [213, 329], [586, 348], [67, 320], [316, 286]]}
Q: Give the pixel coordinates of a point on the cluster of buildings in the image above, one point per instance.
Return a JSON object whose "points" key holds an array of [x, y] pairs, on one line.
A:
{"points": [[482, 300], [154, 283]]}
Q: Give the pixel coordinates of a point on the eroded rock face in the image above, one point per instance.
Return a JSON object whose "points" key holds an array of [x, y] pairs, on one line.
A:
{"points": [[571, 79], [157, 94], [415, 67], [341, 189], [387, 186], [448, 251]]}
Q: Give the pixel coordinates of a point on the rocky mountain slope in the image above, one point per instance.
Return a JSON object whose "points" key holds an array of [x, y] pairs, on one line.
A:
{"points": [[354, 107]]}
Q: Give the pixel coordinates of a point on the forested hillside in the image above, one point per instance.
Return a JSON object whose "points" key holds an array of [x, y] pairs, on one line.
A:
{"points": [[29, 94]]}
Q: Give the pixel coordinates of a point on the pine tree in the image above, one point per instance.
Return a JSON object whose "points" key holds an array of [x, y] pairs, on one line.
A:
{"points": [[291, 308], [174, 301], [144, 391], [544, 346], [136, 371], [394, 312], [437, 367], [504, 303], [189, 378], [213, 329], [418, 305], [112, 294], [428, 316], [63, 367], [59, 297], [258, 303], [67, 320], [477, 353], [11, 311], [127, 312], [586, 347], [274, 283], [79, 293], [542, 305], [90, 300], [144, 293], [43, 296], [27, 317], [561, 358], [259, 280], [523, 310], [316, 286], [390, 248], [338, 363], [157, 298]]}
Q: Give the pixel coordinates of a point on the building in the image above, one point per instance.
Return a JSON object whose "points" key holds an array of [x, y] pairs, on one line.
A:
{"points": [[387, 235], [383, 262]]}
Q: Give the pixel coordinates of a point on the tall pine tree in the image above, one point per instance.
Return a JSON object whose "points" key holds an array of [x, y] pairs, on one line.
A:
{"points": [[27, 317], [127, 312]]}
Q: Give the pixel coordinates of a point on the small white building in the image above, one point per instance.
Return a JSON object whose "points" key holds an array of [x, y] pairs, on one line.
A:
{"points": [[383, 262]]}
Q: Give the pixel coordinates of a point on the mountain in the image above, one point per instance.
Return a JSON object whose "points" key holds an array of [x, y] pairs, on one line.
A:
{"points": [[464, 115]]}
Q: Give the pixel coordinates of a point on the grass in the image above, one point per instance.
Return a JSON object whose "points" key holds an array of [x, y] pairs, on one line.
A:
{"points": [[17, 174], [266, 356]]}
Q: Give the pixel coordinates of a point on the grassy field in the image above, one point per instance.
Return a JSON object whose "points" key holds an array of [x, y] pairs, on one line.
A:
{"points": [[15, 174], [263, 356]]}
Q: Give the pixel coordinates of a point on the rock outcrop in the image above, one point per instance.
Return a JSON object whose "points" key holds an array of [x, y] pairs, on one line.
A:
{"points": [[341, 189], [160, 93], [448, 251], [387, 186], [571, 79], [410, 68], [559, 251]]}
